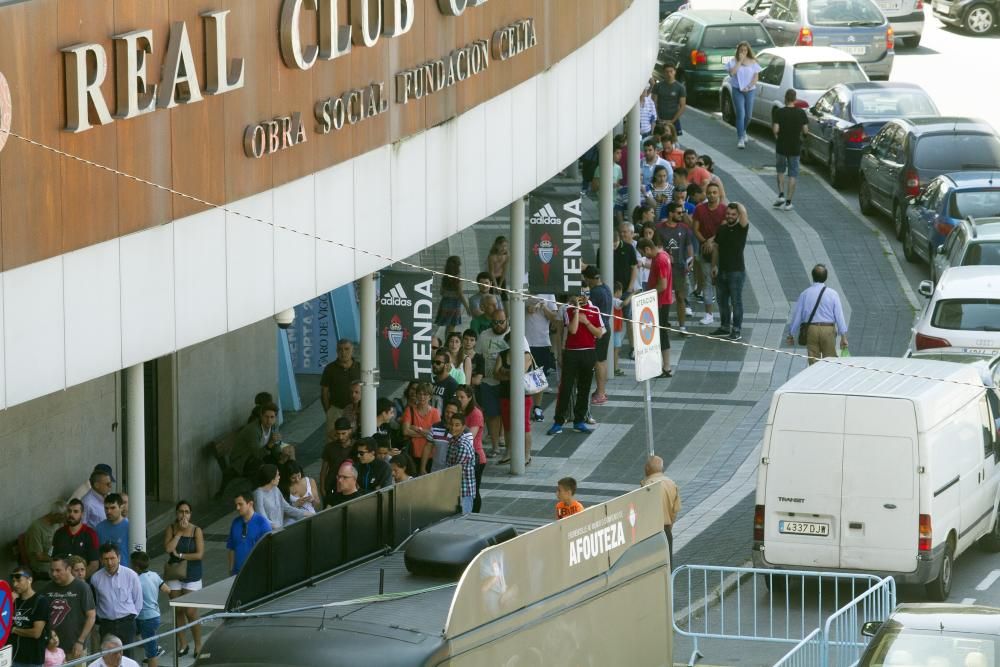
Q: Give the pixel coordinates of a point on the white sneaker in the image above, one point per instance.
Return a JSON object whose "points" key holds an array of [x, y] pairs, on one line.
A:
{"points": [[688, 311], [778, 202], [741, 143], [787, 207], [708, 319]]}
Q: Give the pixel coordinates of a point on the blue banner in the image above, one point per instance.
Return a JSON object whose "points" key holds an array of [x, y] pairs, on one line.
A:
{"points": [[312, 338]]}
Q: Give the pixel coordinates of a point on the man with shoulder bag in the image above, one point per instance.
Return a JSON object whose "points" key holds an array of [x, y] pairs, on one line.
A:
{"points": [[818, 318]]}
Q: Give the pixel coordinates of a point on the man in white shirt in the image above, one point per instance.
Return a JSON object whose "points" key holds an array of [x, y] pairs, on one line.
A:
{"points": [[114, 659]]}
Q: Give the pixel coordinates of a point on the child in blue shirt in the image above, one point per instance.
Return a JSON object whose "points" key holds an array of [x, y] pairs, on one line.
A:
{"points": [[148, 620]]}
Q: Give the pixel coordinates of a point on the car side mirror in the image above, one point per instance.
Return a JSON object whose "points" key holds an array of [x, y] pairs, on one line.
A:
{"points": [[912, 200], [870, 628], [940, 249], [813, 110], [926, 288]]}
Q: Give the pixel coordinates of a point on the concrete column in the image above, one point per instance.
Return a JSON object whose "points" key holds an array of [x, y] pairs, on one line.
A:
{"points": [[369, 360], [606, 203], [136, 406], [515, 438], [634, 156]]}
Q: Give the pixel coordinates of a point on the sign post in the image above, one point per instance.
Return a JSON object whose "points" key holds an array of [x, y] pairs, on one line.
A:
{"points": [[648, 359], [6, 611]]}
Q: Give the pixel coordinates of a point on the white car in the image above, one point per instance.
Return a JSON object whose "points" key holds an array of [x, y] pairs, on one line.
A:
{"points": [[962, 311], [810, 70]]}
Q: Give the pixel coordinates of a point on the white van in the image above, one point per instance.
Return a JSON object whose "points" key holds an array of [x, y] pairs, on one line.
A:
{"points": [[892, 474]]}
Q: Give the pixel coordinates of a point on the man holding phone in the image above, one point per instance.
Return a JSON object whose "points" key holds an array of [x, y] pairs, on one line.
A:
{"points": [[583, 327]]}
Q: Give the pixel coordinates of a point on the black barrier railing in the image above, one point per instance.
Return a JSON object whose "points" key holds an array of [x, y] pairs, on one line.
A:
{"points": [[343, 535]]}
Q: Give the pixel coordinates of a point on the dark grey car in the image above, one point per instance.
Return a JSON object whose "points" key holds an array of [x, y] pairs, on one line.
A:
{"points": [[857, 27]]}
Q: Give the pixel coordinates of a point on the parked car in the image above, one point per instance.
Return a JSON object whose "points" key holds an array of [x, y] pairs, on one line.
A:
{"points": [[857, 27], [957, 634], [974, 242], [977, 17], [701, 41], [907, 20], [942, 206], [962, 311], [907, 153], [863, 471], [846, 117], [809, 70], [987, 363]]}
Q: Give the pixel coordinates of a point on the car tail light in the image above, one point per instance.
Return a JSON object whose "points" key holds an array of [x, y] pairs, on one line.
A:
{"points": [[925, 342], [698, 58], [805, 37], [925, 533], [758, 523], [912, 184], [890, 39], [855, 135], [801, 104]]}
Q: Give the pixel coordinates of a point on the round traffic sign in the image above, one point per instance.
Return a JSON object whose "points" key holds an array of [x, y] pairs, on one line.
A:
{"points": [[5, 111], [6, 611], [647, 325]]}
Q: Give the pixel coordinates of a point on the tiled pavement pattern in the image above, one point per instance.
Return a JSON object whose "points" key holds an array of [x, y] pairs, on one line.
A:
{"points": [[709, 418]]}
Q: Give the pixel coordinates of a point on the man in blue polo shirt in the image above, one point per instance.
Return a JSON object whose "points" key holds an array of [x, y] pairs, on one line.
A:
{"points": [[114, 529], [246, 530]]}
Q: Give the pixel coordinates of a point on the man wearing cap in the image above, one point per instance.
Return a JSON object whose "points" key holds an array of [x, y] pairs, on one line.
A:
{"points": [[248, 449], [81, 490], [335, 383], [118, 594], [75, 538], [71, 608], [31, 614], [336, 451], [93, 500], [39, 538], [601, 297]]}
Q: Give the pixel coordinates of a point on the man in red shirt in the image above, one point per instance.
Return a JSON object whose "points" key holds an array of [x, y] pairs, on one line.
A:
{"points": [[708, 216], [583, 327], [661, 279]]}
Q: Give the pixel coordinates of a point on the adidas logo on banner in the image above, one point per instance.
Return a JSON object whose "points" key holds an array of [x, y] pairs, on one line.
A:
{"points": [[546, 215], [396, 297]]}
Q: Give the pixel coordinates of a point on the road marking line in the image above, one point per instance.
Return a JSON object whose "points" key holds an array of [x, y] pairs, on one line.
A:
{"points": [[968, 601], [988, 580]]}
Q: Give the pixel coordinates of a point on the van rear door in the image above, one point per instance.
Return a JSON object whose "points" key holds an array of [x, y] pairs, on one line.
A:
{"points": [[803, 481], [879, 512]]}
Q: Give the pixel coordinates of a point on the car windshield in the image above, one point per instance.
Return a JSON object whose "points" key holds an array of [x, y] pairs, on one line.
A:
{"points": [[983, 253], [892, 104], [822, 76], [841, 12], [955, 152], [977, 203], [967, 314], [902, 646], [728, 36]]}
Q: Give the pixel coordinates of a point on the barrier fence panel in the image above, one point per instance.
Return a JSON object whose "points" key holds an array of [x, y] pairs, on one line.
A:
{"points": [[842, 630], [764, 605]]}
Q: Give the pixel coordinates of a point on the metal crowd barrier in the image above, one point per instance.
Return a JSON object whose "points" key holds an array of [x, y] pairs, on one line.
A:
{"points": [[807, 653], [842, 631], [780, 606]]}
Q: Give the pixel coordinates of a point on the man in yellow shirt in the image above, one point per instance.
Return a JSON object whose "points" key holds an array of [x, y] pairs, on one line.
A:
{"points": [[671, 498]]}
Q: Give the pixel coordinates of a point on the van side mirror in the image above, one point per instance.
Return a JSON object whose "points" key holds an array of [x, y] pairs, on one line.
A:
{"points": [[926, 288], [870, 628], [940, 249]]}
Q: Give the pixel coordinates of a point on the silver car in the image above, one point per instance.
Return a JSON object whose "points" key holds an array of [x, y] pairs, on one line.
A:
{"points": [[857, 27]]}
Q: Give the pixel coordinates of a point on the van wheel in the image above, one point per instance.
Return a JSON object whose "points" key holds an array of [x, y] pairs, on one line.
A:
{"points": [[908, 250], [728, 112], [990, 542], [833, 171], [899, 221], [939, 589]]}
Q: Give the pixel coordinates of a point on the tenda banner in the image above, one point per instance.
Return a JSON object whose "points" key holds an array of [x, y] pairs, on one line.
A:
{"points": [[554, 238], [405, 325]]}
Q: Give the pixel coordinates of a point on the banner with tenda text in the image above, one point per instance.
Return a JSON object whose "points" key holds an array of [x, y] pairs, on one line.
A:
{"points": [[405, 325]]}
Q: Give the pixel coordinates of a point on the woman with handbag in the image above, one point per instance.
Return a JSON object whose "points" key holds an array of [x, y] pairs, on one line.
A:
{"points": [[185, 543], [506, 374]]}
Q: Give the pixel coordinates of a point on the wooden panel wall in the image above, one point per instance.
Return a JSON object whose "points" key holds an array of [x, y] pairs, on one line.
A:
{"points": [[51, 205]]}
